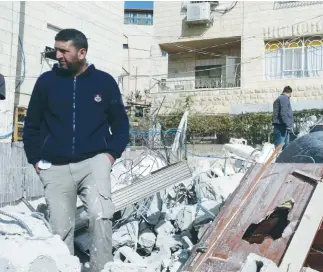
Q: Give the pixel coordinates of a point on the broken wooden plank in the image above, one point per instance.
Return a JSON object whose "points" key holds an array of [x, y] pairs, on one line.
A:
{"points": [[303, 238], [195, 262], [307, 175]]}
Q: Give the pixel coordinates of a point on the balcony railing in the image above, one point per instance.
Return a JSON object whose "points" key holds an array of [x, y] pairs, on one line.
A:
{"points": [[138, 21], [197, 83]]}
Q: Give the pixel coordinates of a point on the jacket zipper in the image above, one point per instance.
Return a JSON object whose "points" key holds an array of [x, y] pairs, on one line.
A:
{"points": [[45, 141], [74, 92], [105, 141]]}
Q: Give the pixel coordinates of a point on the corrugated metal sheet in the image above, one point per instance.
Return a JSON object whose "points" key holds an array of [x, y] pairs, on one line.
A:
{"points": [[143, 188], [251, 202], [151, 184]]}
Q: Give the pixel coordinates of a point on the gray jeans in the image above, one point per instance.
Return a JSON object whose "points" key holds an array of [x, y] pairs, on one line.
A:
{"points": [[90, 179]]}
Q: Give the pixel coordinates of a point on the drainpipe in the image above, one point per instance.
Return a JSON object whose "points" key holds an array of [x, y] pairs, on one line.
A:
{"points": [[19, 62]]}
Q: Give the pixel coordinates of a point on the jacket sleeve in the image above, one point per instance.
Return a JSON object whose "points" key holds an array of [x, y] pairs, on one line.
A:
{"points": [[284, 108], [33, 120], [119, 122]]}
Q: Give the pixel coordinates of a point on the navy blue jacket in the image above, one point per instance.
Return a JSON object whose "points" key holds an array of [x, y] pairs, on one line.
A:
{"points": [[69, 119], [283, 114]]}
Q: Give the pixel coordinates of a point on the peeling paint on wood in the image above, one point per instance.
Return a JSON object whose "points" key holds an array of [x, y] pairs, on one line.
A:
{"points": [[224, 237]]}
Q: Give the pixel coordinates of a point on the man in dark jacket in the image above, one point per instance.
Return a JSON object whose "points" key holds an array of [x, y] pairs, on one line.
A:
{"points": [[2, 88], [75, 128], [283, 118]]}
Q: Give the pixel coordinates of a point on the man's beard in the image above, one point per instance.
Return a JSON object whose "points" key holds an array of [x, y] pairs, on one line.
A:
{"points": [[73, 67]]}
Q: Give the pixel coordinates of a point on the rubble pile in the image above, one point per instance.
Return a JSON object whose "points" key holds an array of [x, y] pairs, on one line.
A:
{"points": [[28, 236], [159, 235], [155, 234]]}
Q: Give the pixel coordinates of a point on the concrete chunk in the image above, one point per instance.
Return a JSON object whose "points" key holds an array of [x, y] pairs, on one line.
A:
{"points": [[173, 242], [164, 227], [256, 263], [186, 217], [126, 267], [203, 216], [129, 255], [147, 239], [126, 235]]}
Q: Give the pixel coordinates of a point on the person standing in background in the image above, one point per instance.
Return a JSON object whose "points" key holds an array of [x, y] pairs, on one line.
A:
{"points": [[283, 118]]}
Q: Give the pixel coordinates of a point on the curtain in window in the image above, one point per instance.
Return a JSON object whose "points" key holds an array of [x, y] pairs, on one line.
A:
{"points": [[292, 62], [273, 64], [313, 60]]}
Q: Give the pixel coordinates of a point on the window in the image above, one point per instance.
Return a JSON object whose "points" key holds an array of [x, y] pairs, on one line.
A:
{"points": [[208, 76], [125, 46], [138, 18], [302, 57], [164, 53]]}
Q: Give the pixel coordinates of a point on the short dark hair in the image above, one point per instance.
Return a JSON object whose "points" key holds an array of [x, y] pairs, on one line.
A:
{"points": [[287, 89], [77, 37]]}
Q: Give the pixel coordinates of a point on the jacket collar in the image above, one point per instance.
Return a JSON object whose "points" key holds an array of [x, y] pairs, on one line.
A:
{"points": [[63, 72]]}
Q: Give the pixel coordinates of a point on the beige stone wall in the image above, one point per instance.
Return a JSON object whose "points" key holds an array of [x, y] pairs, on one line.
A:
{"points": [[9, 25], [101, 22], [236, 100], [169, 23]]}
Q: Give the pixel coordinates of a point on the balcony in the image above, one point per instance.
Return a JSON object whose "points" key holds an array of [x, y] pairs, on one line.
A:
{"points": [[199, 83]]}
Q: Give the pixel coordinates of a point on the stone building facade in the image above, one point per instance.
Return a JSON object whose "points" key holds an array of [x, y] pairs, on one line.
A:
{"points": [[238, 56]]}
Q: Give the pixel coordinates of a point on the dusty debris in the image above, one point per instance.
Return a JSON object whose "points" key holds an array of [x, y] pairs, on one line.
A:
{"points": [[186, 217], [147, 238], [206, 212], [173, 242], [28, 237], [127, 267], [255, 263], [158, 233], [126, 235], [154, 209], [128, 255], [164, 227]]}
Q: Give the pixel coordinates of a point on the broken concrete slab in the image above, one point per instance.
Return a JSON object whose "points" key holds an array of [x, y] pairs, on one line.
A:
{"points": [[173, 242], [159, 259], [34, 253], [154, 209], [206, 212], [172, 213], [187, 243], [219, 188], [256, 263], [202, 230], [164, 227], [28, 237], [126, 235], [147, 240], [126, 267], [186, 217], [129, 256]]}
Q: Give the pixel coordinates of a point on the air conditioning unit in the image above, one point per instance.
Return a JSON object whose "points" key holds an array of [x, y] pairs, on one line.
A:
{"points": [[198, 13]]}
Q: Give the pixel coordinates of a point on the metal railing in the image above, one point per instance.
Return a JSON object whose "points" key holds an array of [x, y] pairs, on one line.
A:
{"points": [[198, 83], [138, 21]]}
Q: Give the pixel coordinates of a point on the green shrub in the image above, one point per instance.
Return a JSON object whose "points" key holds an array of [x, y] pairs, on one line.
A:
{"points": [[254, 127]]}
